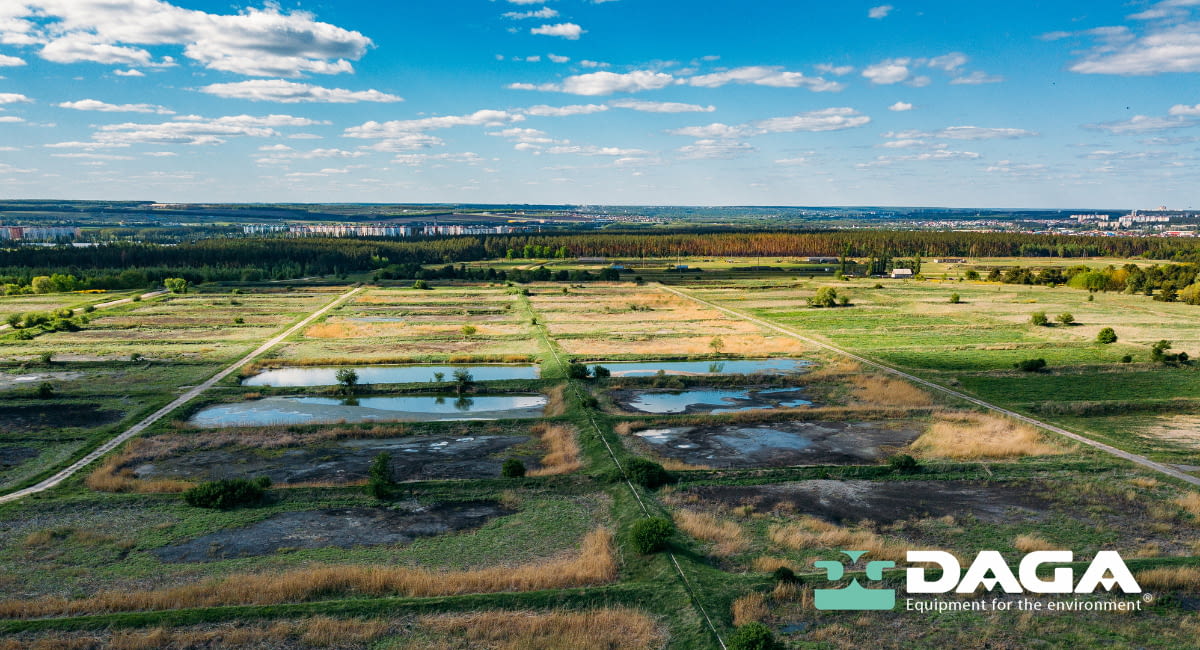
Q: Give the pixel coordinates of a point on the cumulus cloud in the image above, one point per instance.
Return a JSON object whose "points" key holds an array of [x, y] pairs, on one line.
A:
{"points": [[887, 72], [564, 111], [661, 107], [976, 78], [900, 106], [283, 154], [714, 149], [604, 83], [879, 12], [1165, 47], [544, 12], [10, 61], [760, 75], [557, 58], [569, 31], [835, 70], [903, 70], [964, 133], [939, 155], [592, 150], [129, 73], [409, 135], [13, 98], [1142, 124], [719, 140], [1183, 109], [196, 130], [104, 107], [254, 42], [290, 92]]}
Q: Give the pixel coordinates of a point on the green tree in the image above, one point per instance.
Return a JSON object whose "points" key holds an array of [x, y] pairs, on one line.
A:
{"points": [[1066, 318], [651, 535], [463, 379], [1106, 336], [1039, 318], [754, 636], [347, 378], [176, 285], [42, 284], [379, 477], [955, 299], [512, 468], [716, 344], [825, 297], [468, 330]]}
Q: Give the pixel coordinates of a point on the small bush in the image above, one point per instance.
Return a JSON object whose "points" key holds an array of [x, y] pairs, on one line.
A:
{"points": [[1030, 365], [600, 372], [753, 636], [469, 330], [46, 358], [648, 474], [903, 463], [1066, 318], [785, 574], [955, 299], [45, 390], [1039, 318], [1106, 336], [578, 371], [227, 493], [420, 284], [1127, 358], [590, 402], [651, 535], [512, 468]]}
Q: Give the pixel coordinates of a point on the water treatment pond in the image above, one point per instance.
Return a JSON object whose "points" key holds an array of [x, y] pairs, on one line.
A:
{"points": [[320, 410], [327, 376], [708, 400], [782, 444], [730, 367]]}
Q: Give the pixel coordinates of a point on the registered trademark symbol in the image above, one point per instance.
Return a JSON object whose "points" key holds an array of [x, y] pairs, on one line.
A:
{"points": [[1147, 598]]}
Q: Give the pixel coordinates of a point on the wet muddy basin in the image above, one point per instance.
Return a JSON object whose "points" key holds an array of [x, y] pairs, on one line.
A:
{"points": [[725, 367], [318, 410], [708, 400], [327, 376]]}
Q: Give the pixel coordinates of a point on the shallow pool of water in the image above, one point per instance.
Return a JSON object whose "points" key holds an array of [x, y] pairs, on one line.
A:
{"points": [[317, 410], [705, 400], [327, 376], [729, 367]]}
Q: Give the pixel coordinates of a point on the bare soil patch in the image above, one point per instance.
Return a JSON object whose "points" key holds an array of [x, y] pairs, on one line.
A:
{"points": [[38, 417]]}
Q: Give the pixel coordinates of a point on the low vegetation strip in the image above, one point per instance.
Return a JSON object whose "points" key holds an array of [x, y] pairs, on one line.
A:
{"points": [[600, 629], [178, 402], [596, 563], [1108, 449]]}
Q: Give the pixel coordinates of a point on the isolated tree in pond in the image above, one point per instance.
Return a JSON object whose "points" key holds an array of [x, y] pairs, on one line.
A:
{"points": [[463, 379], [347, 378], [176, 285]]}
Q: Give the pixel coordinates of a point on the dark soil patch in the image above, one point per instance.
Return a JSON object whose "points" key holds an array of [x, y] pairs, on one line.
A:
{"points": [[782, 444], [333, 528], [884, 502], [52, 415], [414, 458], [13, 456], [707, 399]]}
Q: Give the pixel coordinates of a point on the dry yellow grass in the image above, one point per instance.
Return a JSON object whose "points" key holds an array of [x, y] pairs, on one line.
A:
{"points": [[1145, 482], [726, 537], [329, 331], [812, 533], [1031, 543], [1190, 501], [562, 449], [113, 476], [751, 608], [599, 629], [595, 563], [973, 436], [767, 564], [1175, 577], [556, 401], [318, 631], [676, 465], [876, 390]]}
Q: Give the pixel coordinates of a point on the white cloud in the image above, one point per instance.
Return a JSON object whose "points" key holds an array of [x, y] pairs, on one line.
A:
{"points": [[1183, 109], [290, 92], [948, 62], [1164, 48], [829, 119], [91, 156], [544, 12], [900, 106], [714, 149], [879, 12], [1142, 124], [129, 73], [890, 71], [196, 130], [160, 154], [908, 143], [86, 145], [588, 63], [716, 130], [558, 59], [569, 31], [484, 117], [661, 107], [10, 61], [592, 150], [11, 119], [605, 83], [940, 155], [283, 154], [564, 111], [256, 42], [964, 133], [96, 105], [835, 70], [975, 78], [760, 75], [13, 98]]}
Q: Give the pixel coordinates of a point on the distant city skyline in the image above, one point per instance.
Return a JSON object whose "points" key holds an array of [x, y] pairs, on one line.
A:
{"points": [[618, 102]]}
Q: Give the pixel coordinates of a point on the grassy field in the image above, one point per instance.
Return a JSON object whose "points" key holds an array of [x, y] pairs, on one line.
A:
{"points": [[454, 554]]}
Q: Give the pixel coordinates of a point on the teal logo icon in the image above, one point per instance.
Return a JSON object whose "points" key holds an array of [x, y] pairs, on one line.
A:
{"points": [[854, 596]]}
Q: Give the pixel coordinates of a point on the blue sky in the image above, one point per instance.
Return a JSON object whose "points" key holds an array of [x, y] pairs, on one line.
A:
{"points": [[1014, 104]]}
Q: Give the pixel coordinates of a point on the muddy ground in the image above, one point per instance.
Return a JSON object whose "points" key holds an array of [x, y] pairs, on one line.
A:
{"points": [[333, 528], [884, 502], [414, 458], [717, 400], [13, 455], [782, 444], [39, 417]]}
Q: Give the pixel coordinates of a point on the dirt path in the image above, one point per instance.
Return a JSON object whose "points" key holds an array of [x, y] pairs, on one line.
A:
{"points": [[186, 397], [1108, 449]]}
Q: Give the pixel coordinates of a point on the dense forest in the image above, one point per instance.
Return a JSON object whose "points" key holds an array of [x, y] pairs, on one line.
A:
{"points": [[129, 265]]}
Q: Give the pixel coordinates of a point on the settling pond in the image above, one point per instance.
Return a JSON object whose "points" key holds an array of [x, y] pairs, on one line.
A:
{"points": [[327, 376], [708, 400], [322, 410], [730, 367]]}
